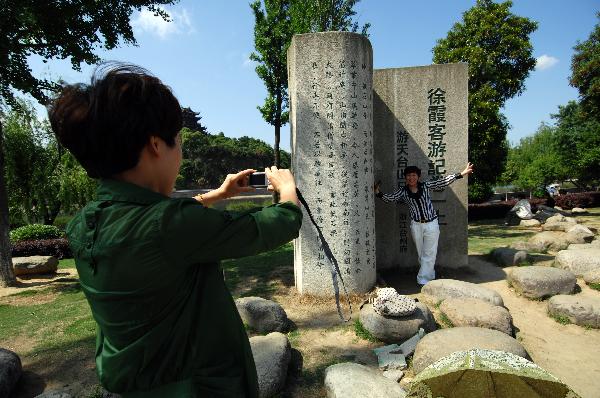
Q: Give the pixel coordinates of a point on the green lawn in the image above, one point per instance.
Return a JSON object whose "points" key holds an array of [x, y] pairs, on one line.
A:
{"points": [[486, 235]]}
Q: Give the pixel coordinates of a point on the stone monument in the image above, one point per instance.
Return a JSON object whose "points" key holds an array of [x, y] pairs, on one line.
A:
{"points": [[420, 118], [331, 102]]}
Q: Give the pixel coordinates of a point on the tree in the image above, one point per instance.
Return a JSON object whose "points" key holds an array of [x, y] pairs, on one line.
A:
{"points": [[497, 46], [275, 24], [585, 67], [57, 29], [578, 143]]}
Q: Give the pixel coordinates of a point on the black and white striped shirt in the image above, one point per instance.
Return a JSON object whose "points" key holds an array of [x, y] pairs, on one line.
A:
{"points": [[419, 203]]}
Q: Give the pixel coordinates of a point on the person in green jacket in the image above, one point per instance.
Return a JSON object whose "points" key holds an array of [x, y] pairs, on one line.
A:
{"points": [[149, 265]]}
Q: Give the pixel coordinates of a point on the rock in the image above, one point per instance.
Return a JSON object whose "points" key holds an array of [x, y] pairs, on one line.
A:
{"points": [[395, 375], [272, 355], [507, 256], [54, 394], [581, 232], [264, 316], [477, 313], [550, 240], [35, 265], [595, 242], [352, 380], [444, 342], [10, 371], [580, 246], [396, 329], [540, 282], [528, 247], [578, 210], [578, 261], [556, 218], [583, 311], [558, 226], [530, 223], [441, 289], [592, 277]]}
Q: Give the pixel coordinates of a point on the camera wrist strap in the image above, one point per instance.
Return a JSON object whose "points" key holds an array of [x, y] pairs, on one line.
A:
{"points": [[335, 269]]}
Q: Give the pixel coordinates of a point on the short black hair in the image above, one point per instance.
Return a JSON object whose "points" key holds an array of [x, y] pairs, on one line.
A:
{"points": [[106, 124], [412, 169]]}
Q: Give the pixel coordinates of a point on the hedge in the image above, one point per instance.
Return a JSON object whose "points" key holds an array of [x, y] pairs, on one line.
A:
{"points": [[579, 199], [58, 248], [35, 232]]}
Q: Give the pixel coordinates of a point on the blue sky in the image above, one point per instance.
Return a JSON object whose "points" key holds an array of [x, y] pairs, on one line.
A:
{"points": [[203, 55]]}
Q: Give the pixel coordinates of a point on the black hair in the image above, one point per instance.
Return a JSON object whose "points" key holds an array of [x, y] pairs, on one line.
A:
{"points": [[412, 169], [106, 124]]}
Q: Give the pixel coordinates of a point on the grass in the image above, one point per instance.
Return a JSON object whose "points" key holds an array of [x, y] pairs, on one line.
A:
{"points": [[487, 235], [66, 263], [563, 320], [363, 333], [595, 286], [446, 323]]}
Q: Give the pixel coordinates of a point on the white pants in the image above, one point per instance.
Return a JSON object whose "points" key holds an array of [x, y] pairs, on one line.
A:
{"points": [[425, 236]]}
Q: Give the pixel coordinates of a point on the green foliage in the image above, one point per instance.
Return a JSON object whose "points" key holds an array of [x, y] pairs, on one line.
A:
{"points": [[35, 232], [595, 286], [245, 205], [42, 178], [446, 323], [363, 333], [585, 67], [563, 320], [208, 158], [276, 21], [497, 46]]}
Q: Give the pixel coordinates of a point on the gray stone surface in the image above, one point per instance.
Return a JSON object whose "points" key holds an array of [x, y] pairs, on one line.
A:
{"points": [[395, 375], [578, 261], [10, 371], [507, 256], [477, 313], [558, 226], [444, 342], [592, 276], [396, 329], [331, 122], [272, 355], [401, 126], [583, 311], [581, 232], [530, 223], [550, 241], [578, 210], [54, 394], [352, 380], [441, 289], [536, 247], [580, 246], [540, 282], [264, 316], [34, 265]]}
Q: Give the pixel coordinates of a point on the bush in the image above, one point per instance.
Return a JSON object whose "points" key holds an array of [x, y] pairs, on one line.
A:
{"points": [[62, 221], [58, 248], [495, 210], [580, 199], [35, 232]]}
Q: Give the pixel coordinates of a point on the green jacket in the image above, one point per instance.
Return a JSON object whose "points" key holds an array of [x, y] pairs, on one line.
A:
{"points": [[149, 268]]}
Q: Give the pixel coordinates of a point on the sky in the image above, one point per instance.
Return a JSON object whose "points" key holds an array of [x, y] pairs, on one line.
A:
{"points": [[203, 55]]}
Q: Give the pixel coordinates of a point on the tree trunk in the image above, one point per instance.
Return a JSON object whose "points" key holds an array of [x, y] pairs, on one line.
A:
{"points": [[7, 275]]}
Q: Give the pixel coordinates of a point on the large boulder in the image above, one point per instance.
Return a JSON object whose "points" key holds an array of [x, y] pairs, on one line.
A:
{"points": [[507, 256], [352, 380], [528, 247], [592, 277], [477, 313], [550, 240], [35, 265], [441, 289], [444, 342], [10, 371], [578, 210], [539, 282], [530, 223], [396, 329], [581, 232], [264, 316], [583, 311], [272, 354], [578, 246], [578, 261], [558, 226]]}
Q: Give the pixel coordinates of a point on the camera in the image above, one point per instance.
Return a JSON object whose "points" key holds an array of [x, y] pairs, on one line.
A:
{"points": [[258, 180]]}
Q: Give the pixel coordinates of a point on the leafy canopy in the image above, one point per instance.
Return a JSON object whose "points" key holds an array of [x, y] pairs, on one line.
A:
{"points": [[496, 44], [585, 67]]}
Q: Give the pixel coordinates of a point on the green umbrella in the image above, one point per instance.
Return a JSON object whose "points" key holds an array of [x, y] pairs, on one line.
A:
{"points": [[486, 374]]}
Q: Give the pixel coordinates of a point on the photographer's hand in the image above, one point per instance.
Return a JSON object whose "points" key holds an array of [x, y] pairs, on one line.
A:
{"points": [[233, 185], [282, 181]]}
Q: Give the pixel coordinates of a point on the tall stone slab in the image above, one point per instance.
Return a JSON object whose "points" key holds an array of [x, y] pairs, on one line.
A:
{"points": [[331, 118], [420, 118]]}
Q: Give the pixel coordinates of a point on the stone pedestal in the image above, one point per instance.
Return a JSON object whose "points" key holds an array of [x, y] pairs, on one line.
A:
{"points": [[331, 119], [421, 119]]}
